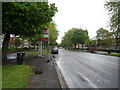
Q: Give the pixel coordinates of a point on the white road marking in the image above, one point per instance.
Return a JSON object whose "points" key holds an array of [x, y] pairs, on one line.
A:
{"points": [[86, 79]]}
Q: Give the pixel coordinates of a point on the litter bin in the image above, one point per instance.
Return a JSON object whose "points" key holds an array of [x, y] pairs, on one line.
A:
{"points": [[20, 57]]}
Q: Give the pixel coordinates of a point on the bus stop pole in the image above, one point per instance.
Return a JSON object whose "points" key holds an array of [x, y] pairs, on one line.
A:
{"points": [[48, 44], [40, 49]]}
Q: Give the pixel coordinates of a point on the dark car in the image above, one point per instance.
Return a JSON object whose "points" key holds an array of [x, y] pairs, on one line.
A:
{"points": [[54, 51]]}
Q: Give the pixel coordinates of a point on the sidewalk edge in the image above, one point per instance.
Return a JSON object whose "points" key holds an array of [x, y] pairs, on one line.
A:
{"points": [[61, 79]]}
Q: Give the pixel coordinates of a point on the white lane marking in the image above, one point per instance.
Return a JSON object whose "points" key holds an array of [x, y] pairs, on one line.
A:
{"points": [[86, 79]]}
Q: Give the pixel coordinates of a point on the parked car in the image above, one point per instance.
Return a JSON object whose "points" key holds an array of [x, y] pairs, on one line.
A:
{"points": [[54, 51]]}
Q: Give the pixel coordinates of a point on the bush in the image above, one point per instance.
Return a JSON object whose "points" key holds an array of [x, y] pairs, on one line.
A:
{"points": [[12, 48], [15, 49], [25, 48], [110, 50]]}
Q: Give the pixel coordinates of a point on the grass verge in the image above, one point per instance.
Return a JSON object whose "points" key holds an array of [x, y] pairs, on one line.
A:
{"points": [[32, 52], [79, 50], [45, 51], [103, 54], [113, 54], [36, 52], [15, 76]]}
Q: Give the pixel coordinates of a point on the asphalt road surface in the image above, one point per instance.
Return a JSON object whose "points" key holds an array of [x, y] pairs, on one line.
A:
{"points": [[86, 70], [12, 56]]}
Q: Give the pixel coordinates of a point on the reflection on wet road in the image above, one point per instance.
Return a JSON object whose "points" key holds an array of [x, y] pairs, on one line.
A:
{"points": [[85, 70]]}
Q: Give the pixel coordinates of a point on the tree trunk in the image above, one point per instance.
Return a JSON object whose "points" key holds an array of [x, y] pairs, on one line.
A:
{"points": [[69, 47], [82, 46], [75, 45], [5, 48], [79, 46]]}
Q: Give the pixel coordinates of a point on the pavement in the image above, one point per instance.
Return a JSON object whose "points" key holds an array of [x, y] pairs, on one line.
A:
{"points": [[45, 75], [88, 70]]}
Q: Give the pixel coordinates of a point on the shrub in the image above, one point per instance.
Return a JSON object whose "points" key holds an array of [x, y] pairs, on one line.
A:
{"points": [[12, 48]]}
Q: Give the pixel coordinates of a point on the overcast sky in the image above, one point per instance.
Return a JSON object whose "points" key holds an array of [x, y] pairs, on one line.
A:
{"points": [[86, 14]]}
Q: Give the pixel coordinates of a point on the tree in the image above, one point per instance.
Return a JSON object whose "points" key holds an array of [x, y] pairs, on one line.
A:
{"points": [[67, 39], [78, 37], [24, 19], [53, 33], [101, 35], [114, 12], [105, 39], [75, 36], [17, 41]]}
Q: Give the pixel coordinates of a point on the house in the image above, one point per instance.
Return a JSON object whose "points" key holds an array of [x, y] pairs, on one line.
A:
{"points": [[11, 41]]}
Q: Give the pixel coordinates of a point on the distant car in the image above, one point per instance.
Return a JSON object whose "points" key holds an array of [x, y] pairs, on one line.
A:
{"points": [[54, 51]]}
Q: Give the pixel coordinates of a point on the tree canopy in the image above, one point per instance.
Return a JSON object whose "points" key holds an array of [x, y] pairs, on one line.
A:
{"points": [[75, 36], [53, 33], [17, 41], [25, 18], [105, 38], [114, 12]]}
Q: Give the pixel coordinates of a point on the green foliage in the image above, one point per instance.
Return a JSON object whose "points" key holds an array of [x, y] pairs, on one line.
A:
{"points": [[33, 39], [12, 48], [92, 42], [75, 36], [114, 11], [45, 51], [53, 33], [102, 33], [26, 18], [105, 39], [19, 49], [15, 76], [67, 39], [32, 52], [17, 41], [113, 50], [79, 36]]}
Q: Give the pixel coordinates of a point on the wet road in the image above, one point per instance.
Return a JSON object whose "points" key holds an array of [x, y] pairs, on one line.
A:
{"points": [[85, 70], [12, 56]]}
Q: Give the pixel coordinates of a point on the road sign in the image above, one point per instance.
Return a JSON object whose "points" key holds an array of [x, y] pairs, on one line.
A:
{"points": [[45, 35], [45, 31], [42, 39]]}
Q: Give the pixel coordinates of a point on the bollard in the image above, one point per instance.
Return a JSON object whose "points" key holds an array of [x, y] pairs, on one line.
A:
{"points": [[20, 57]]}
